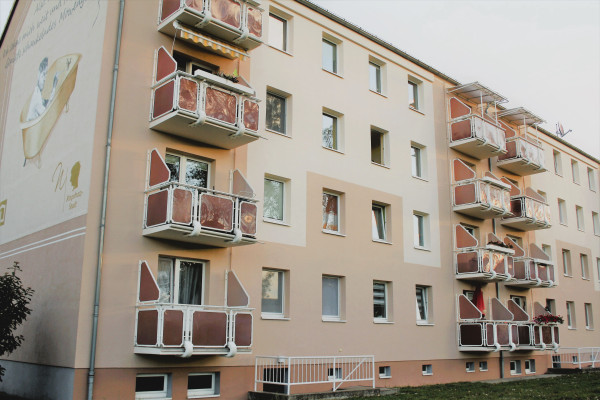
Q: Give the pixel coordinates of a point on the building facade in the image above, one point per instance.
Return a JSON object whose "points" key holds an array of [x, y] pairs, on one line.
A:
{"points": [[190, 185]]}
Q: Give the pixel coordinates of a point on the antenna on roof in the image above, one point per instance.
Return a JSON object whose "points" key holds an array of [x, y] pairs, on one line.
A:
{"points": [[560, 131]]}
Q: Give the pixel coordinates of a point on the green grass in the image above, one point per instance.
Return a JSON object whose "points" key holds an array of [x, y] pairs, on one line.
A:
{"points": [[577, 386]]}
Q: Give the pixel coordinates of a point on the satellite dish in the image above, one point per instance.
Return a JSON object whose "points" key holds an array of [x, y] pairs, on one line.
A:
{"points": [[560, 131]]}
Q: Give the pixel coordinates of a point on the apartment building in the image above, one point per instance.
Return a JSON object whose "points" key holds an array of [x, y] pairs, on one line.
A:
{"points": [[191, 186]]}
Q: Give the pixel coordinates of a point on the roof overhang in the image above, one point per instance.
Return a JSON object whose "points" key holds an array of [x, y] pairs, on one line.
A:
{"points": [[475, 92], [520, 116]]}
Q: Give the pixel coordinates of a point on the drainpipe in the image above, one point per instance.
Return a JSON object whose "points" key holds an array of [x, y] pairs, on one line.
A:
{"points": [[111, 118]]}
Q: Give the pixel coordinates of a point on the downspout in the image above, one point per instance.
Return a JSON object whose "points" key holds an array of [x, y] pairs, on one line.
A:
{"points": [[111, 117], [501, 359]]}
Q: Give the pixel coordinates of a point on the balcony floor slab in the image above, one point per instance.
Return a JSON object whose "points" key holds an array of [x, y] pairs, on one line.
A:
{"points": [[181, 233]]}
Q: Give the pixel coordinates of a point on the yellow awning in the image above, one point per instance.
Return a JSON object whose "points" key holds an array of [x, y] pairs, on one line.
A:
{"points": [[212, 44]]}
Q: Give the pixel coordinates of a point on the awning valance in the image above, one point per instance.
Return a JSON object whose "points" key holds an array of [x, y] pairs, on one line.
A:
{"points": [[211, 44]]}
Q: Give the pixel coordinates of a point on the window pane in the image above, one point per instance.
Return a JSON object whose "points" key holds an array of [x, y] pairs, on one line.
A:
{"points": [[331, 297], [190, 282], [375, 77], [150, 384], [413, 100], [379, 300], [415, 154], [330, 132], [275, 113], [419, 229], [330, 212], [196, 173], [173, 163], [421, 304], [204, 381], [164, 279], [272, 292], [273, 202], [377, 147], [378, 216], [277, 32], [329, 56]]}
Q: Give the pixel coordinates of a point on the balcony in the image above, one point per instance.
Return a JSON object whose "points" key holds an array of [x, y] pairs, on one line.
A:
{"points": [[193, 214], [482, 198], [235, 21], [509, 329], [187, 330], [524, 156], [480, 263], [529, 211], [203, 107], [475, 134], [535, 270]]}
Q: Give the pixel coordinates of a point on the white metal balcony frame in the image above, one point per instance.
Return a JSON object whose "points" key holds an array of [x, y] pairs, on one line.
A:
{"points": [[530, 204], [577, 357], [529, 157], [294, 371], [531, 265]]}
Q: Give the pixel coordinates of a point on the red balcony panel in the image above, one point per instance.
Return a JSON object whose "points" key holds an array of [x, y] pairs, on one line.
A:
{"points": [[209, 328], [173, 328], [163, 99], [254, 21], [524, 156], [165, 64], [147, 327], [156, 209], [159, 173], [465, 194], [471, 335], [524, 335], [216, 212], [461, 130], [458, 108], [182, 206], [188, 95], [227, 11], [248, 213], [251, 115], [220, 105], [148, 289], [169, 7], [467, 262], [243, 329]]}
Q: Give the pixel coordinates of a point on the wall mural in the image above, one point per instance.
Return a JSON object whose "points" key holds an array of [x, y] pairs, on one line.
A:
{"points": [[50, 61]]}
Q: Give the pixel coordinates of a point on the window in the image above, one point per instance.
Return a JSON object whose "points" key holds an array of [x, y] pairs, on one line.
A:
{"points": [[277, 32], [274, 201], [413, 95], [276, 113], [273, 292], [584, 266], [562, 211], [380, 301], [385, 371], [330, 132], [331, 298], [571, 315], [470, 366], [379, 222], [530, 366], [334, 374], [566, 259], [546, 248], [575, 171], [579, 214], [423, 304], [516, 239], [375, 77], [190, 65], [330, 56], [515, 367], [188, 170], [417, 158], [591, 179], [331, 212], [589, 321], [556, 362], [596, 223], [551, 306], [598, 267], [420, 230], [203, 384], [521, 301], [152, 386], [483, 366], [557, 163], [180, 281], [379, 147], [427, 369], [473, 230]]}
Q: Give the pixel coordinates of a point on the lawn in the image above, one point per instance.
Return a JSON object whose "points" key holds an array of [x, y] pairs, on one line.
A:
{"points": [[577, 386]]}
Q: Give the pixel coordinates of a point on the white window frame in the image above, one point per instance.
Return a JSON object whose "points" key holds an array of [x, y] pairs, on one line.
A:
{"points": [[551, 306], [585, 271], [596, 223], [377, 69], [282, 96], [580, 218], [470, 366], [591, 179], [530, 366], [418, 161], [284, 200], [336, 117], [515, 367], [575, 172], [546, 248], [335, 46], [557, 159], [598, 267], [383, 146], [183, 159], [374, 229], [562, 212], [334, 374], [566, 260], [425, 296], [483, 366], [427, 369], [571, 319], [175, 276], [282, 282], [386, 312], [385, 372], [420, 230], [337, 316], [200, 393], [521, 301], [163, 394], [339, 213], [589, 316], [415, 85], [285, 33]]}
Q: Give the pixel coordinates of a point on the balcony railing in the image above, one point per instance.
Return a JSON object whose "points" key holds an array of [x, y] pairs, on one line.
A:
{"points": [[481, 263], [185, 330], [523, 156], [529, 211], [535, 270], [235, 21], [177, 211]]}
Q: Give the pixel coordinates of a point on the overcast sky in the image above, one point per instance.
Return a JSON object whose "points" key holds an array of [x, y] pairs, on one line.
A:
{"points": [[541, 55]]}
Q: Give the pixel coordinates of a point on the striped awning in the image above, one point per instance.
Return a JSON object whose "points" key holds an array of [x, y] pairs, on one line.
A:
{"points": [[212, 44]]}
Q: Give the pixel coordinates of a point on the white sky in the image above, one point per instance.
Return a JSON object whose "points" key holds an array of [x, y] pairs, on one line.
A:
{"points": [[542, 55]]}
